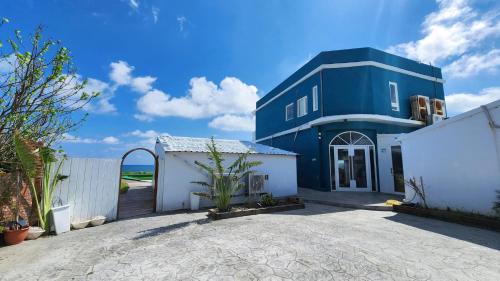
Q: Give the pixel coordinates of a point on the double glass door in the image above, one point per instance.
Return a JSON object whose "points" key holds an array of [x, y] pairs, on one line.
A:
{"points": [[352, 170]]}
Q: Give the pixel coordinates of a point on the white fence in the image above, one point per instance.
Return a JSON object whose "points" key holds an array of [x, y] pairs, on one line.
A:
{"points": [[91, 189]]}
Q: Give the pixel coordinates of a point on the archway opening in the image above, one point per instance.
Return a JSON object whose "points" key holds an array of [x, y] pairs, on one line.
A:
{"points": [[138, 183]]}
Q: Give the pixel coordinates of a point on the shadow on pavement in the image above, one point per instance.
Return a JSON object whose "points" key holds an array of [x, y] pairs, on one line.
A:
{"points": [[483, 237], [166, 229]]}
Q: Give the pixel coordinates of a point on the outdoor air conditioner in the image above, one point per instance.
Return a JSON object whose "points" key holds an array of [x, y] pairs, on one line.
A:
{"points": [[438, 107], [420, 107], [435, 118], [255, 186]]}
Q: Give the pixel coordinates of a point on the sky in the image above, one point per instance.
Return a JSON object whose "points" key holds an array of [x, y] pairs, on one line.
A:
{"points": [[196, 68]]}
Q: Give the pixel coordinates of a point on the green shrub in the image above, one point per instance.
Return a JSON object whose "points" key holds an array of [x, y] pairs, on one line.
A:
{"points": [[267, 200], [123, 187]]}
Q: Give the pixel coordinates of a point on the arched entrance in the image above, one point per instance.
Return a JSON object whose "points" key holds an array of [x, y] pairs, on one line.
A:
{"points": [[130, 205], [352, 162]]}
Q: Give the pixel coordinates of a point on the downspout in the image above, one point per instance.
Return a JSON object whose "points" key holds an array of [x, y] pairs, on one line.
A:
{"points": [[319, 134], [493, 126]]}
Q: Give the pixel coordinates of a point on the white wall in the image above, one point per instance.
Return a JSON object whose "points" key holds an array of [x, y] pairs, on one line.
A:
{"points": [[178, 171], [459, 160], [91, 189]]}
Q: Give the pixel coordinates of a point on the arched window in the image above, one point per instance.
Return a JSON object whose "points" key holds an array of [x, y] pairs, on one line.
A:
{"points": [[351, 138]]}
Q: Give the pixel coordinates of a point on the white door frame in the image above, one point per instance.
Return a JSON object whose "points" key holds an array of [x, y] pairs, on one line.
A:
{"points": [[385, 143], [352, 185]]}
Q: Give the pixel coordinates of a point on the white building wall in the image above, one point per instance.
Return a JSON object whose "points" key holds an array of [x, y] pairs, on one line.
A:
{"points": [[179, 171], [458, 159]]}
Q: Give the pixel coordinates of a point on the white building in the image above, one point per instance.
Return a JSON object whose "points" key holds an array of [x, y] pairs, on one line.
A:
{"points": [[458, 159], [177, 170]]}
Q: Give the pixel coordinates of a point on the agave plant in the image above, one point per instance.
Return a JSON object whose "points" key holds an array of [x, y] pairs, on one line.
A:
{"points": [[37, 164], [225, 181]]}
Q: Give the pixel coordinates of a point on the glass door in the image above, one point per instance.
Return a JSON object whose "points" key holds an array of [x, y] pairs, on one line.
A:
{"points": [[397, 169], [352, 168]]}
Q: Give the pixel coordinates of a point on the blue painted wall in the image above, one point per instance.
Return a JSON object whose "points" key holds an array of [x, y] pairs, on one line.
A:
{"points": [[353, 90]]}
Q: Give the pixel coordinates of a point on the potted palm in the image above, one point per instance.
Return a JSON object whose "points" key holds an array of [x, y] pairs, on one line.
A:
{"points": [[225, 181]]}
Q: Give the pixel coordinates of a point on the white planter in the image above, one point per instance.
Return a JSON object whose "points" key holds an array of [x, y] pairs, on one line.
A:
{"points": [[96, 221], [80, 225], [195, 201], [61, 219], [34, 232]]}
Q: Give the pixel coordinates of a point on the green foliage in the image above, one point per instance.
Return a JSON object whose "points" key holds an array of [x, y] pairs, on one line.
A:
{"points": [[39, 162], [267, 200], [123, 186], [225, 181], [496, 204], [39, 92]]}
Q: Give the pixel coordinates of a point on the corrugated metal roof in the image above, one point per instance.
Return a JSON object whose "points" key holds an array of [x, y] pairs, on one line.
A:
{"points": [[187, 144]]}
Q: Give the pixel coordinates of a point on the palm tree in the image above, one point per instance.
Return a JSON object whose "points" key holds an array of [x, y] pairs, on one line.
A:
{"points": [[225, 181]]}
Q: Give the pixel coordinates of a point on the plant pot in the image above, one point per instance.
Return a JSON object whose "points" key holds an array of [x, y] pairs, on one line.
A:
{"points": [[13, 237], [99, 220], [61, 219], [80, 225], [195, 201], [34, 232]]}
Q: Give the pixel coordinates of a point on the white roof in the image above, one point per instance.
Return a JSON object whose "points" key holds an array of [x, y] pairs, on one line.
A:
{"points": [[187, 144]]}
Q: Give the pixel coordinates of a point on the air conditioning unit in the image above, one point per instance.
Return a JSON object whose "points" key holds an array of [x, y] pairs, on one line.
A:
{"points": [[420, 107], [255, 186], [438, 107], [434, 118]]}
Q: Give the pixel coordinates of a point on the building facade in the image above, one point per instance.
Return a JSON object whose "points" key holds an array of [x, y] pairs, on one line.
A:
{"points": [[341, 113]]}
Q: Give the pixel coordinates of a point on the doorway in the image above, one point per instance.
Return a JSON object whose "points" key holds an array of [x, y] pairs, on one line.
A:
{"points": [[390, 164], [351, 165], [138, 186]]}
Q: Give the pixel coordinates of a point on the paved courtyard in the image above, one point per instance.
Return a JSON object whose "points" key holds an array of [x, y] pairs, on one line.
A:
{"points": [[318, 243]]}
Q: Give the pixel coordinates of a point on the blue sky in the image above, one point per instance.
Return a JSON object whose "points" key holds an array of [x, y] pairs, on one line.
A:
{"points": [[196, 68]]}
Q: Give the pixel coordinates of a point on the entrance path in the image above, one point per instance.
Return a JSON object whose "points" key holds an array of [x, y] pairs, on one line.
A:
{"points": [[316, 243], [138, 200], [356, 200]]}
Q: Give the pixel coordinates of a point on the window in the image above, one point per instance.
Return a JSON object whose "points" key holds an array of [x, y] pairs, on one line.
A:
{"points": [[289, 112], [315, 98], [302, 106], [393, 88]]}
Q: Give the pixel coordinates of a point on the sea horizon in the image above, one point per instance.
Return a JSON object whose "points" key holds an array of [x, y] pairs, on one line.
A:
{"points": [[137, 168]]}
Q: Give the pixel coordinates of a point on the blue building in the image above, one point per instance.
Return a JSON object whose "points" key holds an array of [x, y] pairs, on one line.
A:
{"points": [[341, 112]]}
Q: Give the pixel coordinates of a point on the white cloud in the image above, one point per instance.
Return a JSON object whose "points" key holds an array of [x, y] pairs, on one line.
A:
{"points": [[181, 20], [121, 72], [145, 134], [454, 29], [156, 13], [142, 84], [74, 139], [102, 104], [7, 63], [204, 99], [134, 4], [461, 102], [469, 65], [110, 140], [230, 122]]}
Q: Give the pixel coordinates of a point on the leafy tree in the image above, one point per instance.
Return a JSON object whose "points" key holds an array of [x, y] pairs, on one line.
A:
{"points": [[225, 181], [40, 92]]}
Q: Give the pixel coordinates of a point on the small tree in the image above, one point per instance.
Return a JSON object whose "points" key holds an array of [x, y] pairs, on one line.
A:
{"points": [[39, 92], [225, 181], [418, 189]]}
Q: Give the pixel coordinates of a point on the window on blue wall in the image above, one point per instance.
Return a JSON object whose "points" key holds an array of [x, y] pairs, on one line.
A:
{"points": [[393, 88], [315, 98], [302, 106], [289, 112]]}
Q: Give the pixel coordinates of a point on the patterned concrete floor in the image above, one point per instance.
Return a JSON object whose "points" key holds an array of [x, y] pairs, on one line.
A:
{"points": [[317, 243]]}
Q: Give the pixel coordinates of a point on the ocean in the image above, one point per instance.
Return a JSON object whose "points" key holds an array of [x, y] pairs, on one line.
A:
{"points": [[138, 168]]}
